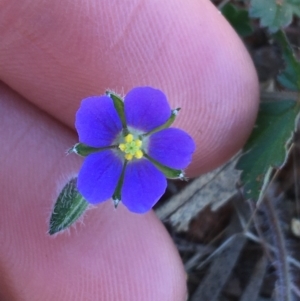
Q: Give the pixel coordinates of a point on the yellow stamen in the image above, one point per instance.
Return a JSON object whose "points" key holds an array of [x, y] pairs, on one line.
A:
{"points": [[131, 147], [122, 147], [138, 143], [138, 154], [128, 157], [128, 138]]}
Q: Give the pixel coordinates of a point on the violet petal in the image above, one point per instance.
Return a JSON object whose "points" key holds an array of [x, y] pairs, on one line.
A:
{"points": [[143, 186], [97, 121], [146, 108], [99, 176], [171, 147]]}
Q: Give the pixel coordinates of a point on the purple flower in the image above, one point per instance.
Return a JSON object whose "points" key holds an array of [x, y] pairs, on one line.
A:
{"points": [[129, 148]]}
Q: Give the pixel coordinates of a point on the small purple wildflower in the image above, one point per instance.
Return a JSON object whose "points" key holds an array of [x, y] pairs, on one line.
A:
{"points": [[129, 148]]}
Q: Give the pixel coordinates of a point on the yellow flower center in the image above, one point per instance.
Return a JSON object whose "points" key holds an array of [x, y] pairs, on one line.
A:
{"points": [[131, 148]]}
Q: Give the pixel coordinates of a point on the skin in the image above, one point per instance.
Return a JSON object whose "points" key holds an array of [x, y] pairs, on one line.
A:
{"points": [[53, 54]]}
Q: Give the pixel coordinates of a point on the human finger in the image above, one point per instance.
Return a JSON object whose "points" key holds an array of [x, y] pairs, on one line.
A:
{"points": [[56, 53], [116, 255]]}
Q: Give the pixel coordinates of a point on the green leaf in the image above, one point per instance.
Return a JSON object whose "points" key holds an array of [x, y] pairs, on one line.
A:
{"points": [[238, 18], [290, 77], [268, 145], [274, 14], [70, 205]]}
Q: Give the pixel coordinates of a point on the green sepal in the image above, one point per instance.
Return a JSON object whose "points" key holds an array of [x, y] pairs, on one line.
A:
{"points": [[170, 173], [69, 207], [167, 124], [117, 194], [119, 106], [84, 150]]}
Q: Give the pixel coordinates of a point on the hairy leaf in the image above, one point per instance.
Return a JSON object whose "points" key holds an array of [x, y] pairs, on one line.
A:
{"points": [[70, 205]]}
